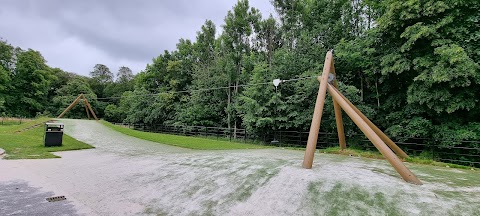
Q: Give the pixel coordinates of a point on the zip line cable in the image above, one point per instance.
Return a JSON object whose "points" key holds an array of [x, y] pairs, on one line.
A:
{"points": [[209, 89]]}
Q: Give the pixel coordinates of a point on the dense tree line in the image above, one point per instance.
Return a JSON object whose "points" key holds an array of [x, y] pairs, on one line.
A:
{"points": [[411, 66], [29, 87]]}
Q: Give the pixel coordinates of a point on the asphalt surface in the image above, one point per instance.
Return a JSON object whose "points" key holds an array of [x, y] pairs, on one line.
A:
{"points": [[129, 176], [18, 198]]}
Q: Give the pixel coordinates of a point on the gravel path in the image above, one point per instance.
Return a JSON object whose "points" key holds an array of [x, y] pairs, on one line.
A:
{"points": [[128, 176]]}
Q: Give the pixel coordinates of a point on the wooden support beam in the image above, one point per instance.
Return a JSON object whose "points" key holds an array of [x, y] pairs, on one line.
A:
{"points": [[406, 174], [377, 130], [338, 114], [86, 109], [317, 113], [90, 108], [75, 102]]}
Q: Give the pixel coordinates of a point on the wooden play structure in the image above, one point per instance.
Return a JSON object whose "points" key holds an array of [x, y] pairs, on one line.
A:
{"points": [[88, 107], [381, 141]]}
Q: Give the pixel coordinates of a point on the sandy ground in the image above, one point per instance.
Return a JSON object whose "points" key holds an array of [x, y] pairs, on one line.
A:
{"points": [[129, 176]]}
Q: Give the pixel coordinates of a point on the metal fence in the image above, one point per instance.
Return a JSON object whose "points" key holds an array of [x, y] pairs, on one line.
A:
{"points": [[212, 132], [466, 153], [12, 121]]}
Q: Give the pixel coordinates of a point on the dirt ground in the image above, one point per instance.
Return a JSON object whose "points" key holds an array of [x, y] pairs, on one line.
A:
{"points": [[128, 176]]}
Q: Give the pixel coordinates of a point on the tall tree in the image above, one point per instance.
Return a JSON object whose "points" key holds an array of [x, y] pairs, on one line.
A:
{"points": [[124, 75], [6, 57], [269, 38], [431, 59], [155, 74], [123, 83], [196, 107], [101, 78], [206, 108], [240, 24], [291, 13], [31, 82], [205, 45]]}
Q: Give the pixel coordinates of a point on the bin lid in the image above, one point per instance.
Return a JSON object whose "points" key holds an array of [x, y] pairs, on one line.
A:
{"points": [[54, 124]]}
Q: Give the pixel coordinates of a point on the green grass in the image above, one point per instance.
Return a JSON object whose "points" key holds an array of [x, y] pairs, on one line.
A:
{"points": [[377, 155], [210, 144], [343, 199], [29, 144], [184, 141]]}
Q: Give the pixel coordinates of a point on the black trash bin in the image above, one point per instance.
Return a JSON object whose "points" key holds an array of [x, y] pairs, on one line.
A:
{"points": [[53, 134]]}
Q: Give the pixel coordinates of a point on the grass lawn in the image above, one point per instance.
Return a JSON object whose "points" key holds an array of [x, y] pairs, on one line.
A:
{"points": [[29, 144], [184, 141], [211, 144]]}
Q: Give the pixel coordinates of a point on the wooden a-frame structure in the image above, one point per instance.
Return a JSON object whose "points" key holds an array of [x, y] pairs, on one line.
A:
{"points": [[88, 107], [381, 141]]}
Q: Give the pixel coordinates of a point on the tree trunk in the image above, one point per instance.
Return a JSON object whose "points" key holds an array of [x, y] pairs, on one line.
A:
{"points": [[228, 105], [361, 86], [270, 50], [239, 68], [378, 96]]}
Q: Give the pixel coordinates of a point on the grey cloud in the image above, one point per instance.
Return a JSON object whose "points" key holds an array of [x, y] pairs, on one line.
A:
{"points": [[113, 31]]}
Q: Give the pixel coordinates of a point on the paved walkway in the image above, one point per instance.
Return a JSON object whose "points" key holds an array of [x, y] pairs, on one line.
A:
{"points": [[128, 176], [18, 198]]}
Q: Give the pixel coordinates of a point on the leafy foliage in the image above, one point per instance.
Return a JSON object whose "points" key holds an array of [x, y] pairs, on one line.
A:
{"points": [[411, 66]]}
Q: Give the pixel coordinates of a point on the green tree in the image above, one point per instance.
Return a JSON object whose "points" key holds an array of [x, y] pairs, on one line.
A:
{"points": [[6, 57], [206, 108], [124, 82], [204, 47], [431, 54], [195, 108], [101, 77], [31, 82], [269, 38], [124, 75], [155, 75], [240, 24], [68, 93], [291, 14]]}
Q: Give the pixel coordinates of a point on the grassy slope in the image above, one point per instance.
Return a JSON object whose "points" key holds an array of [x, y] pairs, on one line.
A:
{"points": [[209, 144], [377, 155], [183, 141], [29, 144]]}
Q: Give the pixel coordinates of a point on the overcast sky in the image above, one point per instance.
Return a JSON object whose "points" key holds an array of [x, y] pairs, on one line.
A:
{"points": [[77, 34]]}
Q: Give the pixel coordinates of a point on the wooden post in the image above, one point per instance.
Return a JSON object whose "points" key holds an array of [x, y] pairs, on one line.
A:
{"points": [[406, 174], [338, 114], [86, 108], [379, 132], [75, 102], [317, 113], [90, 108]]}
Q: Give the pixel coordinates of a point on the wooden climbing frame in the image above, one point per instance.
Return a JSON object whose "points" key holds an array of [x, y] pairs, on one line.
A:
{"points": [[381, 141], [88, 107]]}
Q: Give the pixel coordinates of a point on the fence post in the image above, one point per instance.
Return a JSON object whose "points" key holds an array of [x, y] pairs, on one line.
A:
{"points": [[280, 137], [245, 136], [433, 150]]}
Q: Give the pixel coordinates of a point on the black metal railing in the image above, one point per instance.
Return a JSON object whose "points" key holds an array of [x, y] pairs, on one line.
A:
{"points": [[466, 153], [12, 120]]}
